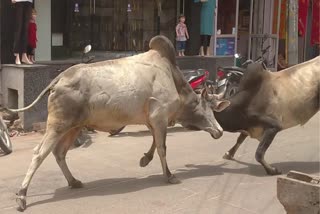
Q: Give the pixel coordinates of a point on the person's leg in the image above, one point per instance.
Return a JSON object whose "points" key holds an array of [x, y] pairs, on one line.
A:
{"points": [[205, 45], [201, 45], [179, 48], [208, 44], [17, 33], [183, 47], [27, 12], [33, 55], [29, 52]]}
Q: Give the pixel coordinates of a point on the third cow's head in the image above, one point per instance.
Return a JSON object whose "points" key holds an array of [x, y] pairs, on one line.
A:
{"points": [[198, 115]]}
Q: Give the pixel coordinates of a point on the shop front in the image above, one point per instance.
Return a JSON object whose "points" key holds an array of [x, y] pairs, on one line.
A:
{"points": [[109, 25], [66, 26], [289, 28]]}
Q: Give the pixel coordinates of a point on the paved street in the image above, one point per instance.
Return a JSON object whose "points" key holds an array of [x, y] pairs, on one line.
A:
{"points": [[114, 182]]}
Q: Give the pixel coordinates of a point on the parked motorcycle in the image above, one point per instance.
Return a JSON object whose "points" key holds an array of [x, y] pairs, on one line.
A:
{"points": [[229, 77], [197, 78]]}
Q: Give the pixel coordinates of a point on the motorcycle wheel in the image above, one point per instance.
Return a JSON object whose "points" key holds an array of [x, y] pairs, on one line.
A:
{"points": [[5, 142], [232, 89], [115, 132]]}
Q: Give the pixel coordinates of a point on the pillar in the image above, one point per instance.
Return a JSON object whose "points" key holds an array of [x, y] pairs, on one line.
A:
{"points": [[292, 39]]}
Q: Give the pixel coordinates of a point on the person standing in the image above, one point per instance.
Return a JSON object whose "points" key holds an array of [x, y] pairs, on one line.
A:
{"points": [[206, 24], [32, 37], [23, 14], [182, 35]]}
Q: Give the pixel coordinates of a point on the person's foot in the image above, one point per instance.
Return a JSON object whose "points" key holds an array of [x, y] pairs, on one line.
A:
{"points": [[17, 61], [182, 54], [26, 60], [32, 59]]}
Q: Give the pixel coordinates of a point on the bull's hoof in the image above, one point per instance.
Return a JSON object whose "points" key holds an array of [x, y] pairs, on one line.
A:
{"points": [[144, 161], [173, 180], [273, 171], [228, 156], [22, 203], [76, 184]]}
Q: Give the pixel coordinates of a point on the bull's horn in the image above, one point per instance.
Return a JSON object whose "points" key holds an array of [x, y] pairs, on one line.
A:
{"points": [[221, 94]]}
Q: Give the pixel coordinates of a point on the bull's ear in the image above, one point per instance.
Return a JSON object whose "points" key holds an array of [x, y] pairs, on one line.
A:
{"points": [[220, 105]]}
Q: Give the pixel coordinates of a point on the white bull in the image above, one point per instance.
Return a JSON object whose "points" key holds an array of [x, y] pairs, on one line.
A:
{"points": [[144, 89]]}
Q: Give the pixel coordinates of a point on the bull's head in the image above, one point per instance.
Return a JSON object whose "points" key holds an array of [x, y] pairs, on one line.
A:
{"points": [[198, 114]]}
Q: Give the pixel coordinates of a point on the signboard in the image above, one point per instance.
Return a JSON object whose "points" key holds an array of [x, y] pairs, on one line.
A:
{"points": [[225, 46]]}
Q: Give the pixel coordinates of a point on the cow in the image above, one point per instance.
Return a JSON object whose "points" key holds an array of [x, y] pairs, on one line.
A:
{"points": [[144, 89], [268, 102]]}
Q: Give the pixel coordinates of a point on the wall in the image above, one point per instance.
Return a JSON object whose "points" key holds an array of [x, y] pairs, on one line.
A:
{"points": [[12, 78], [43, 51], [29, 81]]}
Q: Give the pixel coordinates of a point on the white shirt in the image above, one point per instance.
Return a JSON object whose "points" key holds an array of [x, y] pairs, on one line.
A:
{"points": [[31, 1]]}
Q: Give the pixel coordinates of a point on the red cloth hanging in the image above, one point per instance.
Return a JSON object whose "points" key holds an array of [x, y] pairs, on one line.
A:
{"points": [[283, 20], [32, 35], [303, 13], [315, 35]]}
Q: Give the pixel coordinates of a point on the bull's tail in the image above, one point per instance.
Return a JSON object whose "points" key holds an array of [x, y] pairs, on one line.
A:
{"points": [[165, 47], [46, 90]]}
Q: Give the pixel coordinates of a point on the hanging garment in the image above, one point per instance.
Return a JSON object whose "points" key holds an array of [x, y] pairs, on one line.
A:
{"points": [[303, 13], [283, 20], [315, 35]]}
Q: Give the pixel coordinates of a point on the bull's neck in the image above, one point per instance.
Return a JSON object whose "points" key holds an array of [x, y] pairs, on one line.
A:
{"points": [[186, 94], [187, 97]]}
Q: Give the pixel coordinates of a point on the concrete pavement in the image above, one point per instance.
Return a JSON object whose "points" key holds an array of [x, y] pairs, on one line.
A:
{"points": [[114, 182]]}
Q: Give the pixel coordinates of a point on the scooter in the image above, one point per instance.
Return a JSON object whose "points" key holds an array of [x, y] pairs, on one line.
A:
{"points": [[228, 78], [197, 78], [5, 142]]}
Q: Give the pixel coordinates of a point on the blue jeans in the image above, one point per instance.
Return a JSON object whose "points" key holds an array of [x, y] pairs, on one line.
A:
{"points": [[181, 45]]}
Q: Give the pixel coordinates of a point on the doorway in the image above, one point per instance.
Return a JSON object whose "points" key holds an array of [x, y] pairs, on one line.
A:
{"points": [[91, 24], [107, 25]]}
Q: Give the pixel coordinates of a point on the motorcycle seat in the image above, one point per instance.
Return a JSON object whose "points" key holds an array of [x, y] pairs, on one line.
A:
{"points": [[233, 68], [191, 75]]}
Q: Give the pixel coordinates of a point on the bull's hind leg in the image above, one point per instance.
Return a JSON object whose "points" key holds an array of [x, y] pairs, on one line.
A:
{"points": [[60, 152], [158, 126], [230, 154], [47, 144], [264, 144]]}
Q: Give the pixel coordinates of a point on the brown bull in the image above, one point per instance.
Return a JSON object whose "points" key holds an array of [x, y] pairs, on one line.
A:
{"points": [[268, 102]]}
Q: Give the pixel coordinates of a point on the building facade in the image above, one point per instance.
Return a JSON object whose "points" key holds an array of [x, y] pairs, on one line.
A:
{"points": [[66, 26]]}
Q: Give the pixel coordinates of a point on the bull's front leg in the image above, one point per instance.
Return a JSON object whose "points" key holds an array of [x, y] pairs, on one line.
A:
{"points": [[264, 144], [230, 154], [157, 123], [147, 158]]}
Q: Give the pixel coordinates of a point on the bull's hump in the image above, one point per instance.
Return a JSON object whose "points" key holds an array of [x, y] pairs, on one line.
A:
{"points": [[165, 48]]}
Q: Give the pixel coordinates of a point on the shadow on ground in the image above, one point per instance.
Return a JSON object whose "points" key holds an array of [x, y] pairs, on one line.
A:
{"points": [[85, 139], [2, 153], [147, 132], [125, 185]]}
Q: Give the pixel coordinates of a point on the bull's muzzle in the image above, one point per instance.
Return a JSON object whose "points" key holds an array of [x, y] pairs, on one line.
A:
{"points": [[215, 133]]}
